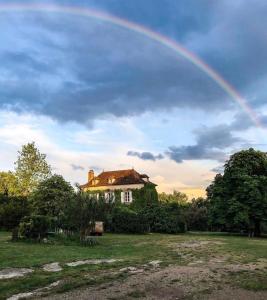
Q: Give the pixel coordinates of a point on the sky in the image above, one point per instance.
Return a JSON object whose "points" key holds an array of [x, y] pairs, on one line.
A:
{"points": [[94, 95]]}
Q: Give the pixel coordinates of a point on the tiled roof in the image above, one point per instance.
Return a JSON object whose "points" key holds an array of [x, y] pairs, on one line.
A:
{"points": [[119, 177]]}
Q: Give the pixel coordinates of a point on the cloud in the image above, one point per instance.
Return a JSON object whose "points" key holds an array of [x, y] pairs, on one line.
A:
{"points": [[145, 155], [71, 73], [77, 167], [211, 143]]}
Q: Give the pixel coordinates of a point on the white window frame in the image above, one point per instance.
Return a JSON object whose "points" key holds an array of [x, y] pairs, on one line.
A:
{"points": [[109, 196], [127, 197]]}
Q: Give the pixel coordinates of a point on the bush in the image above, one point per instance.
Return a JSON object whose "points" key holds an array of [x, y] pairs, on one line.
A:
{"points": [[12, 210], [34, 227], [165, 218], [125, 220]]}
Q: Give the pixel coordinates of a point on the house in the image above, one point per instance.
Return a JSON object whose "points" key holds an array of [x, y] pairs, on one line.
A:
{"points": [[122, 181]]}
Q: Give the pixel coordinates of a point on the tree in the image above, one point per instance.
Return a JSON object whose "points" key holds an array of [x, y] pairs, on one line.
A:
{"points": [[197, 214], [238, 198], [51, 197], [9, 184], [12, 210], [81, 213], [175, 197], [31, 168]]}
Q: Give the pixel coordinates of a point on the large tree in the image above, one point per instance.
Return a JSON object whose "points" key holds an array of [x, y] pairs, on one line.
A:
{"points": [[31, 168], [51, 197], [238, 198]]}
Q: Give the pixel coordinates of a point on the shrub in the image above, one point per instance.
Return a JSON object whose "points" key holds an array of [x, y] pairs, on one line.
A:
{"points": [[12, 210], [125, 220], [165, 218], [34, 227]]}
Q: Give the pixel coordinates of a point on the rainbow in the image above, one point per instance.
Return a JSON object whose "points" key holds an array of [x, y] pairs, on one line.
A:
{"points": [[163, 40]]}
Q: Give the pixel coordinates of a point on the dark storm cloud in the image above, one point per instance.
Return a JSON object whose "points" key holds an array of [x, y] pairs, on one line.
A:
{"points": [[74, 69], [211, 143], [145, 155]]}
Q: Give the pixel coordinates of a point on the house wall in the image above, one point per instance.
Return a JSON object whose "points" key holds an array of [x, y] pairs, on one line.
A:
{"points": [[115, 187]]}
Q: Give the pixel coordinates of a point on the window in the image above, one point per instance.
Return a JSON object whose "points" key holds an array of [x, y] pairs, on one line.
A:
{"points": [[94, 196], [109, 196], [127, 197], [111, 180]]}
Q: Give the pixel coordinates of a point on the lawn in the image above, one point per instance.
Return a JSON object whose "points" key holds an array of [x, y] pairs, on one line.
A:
{"points": [[205, 250]]}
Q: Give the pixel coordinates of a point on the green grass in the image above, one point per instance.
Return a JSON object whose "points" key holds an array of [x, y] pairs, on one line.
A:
{"points": [[133, 249]]}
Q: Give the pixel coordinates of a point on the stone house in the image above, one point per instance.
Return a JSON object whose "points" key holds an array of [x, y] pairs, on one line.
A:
{"points": [[122, 181]]}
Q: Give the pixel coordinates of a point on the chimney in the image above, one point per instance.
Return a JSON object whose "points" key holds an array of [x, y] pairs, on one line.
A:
{"points": [[91, 175]]}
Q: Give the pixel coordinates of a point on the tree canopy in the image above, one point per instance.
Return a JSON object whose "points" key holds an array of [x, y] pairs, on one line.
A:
{"points": [[9, 185], [238, 198], [31, 168], [51, 196], [175, 197]]}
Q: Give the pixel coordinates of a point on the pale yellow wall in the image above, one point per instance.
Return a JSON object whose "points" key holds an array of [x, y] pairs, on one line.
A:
{"points": [[115, 187]]}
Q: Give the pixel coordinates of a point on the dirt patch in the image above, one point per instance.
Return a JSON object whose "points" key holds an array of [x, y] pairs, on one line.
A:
{"points": [[14, 273], [196, 244], [92, 262], [53, 267], [168, 283], [236, 294], [246, 267]]}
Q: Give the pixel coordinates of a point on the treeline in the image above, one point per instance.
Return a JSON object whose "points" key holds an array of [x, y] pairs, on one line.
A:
{"points": [[33, 202]]}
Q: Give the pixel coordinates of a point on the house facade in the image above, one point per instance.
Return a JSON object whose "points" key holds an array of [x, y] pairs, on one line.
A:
{"points": [[124, 181]]}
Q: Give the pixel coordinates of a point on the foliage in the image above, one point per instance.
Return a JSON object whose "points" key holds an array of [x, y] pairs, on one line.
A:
{"points": [[51, 197], [126, 220], [238, 198], [175, 197], [12, 210], [9, 184], [34, 227], [81, 213], [197, 214], [147, 195], [31, 168], [165, 218]]}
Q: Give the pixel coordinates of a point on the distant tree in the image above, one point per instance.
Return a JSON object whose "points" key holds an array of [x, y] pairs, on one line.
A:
{"points": [[9, 184], [175, 197], [31, 168], [197, 214], [238, 198], [51, 197]]}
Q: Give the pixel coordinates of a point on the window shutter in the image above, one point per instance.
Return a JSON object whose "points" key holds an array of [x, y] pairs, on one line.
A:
{"points": [[122, 197], [130, 196]]}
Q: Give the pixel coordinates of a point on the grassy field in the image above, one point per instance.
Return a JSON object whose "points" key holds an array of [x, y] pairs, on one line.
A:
{"points": [[242, 260]]}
